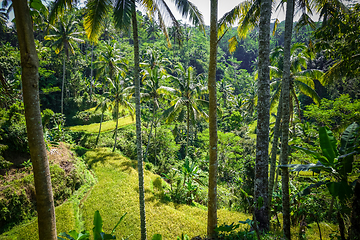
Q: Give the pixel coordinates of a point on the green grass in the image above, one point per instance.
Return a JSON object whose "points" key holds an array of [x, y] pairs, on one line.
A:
{"points": [[106, 126], [65, 220], [117, 193]]}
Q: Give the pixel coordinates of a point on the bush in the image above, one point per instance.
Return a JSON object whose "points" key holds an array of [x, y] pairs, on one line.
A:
{"points": [[13, 128], [18, 199], [89, 117]]}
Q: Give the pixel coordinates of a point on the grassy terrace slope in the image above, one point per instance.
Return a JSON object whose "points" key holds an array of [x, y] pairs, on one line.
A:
{"points": [[106, 126], [117, 192]]}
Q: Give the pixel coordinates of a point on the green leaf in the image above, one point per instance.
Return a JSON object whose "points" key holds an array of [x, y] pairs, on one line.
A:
{"points": [[342, 190], [345, 162], [307, 191], [348, 138], [227, 228], [306, 167], [328, 144], [314, 154], [157, 237], [98, 223], [121, 218]]}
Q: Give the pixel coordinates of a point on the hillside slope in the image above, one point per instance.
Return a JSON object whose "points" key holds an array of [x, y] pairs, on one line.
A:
{"points": [[115, 193]]}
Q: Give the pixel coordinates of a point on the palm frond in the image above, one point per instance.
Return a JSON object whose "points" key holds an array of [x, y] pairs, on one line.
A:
{"points": [[231, 17], [190, 11], [308, 91], [339, 69], [275, 97], [123, 11], [305, 20], [250, 18], [59, 7], [233, 42], [277, 21], [96, 13]]}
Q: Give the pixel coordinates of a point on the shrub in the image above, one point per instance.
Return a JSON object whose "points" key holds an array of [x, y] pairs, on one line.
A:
{"points": [[18, 199]]}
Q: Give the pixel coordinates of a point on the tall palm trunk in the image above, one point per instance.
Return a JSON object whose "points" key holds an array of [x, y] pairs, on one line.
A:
{"points": [[286, 117], [91, 71], [213, 138], [274, 151], [149, 137], [138, 125], [30, 83], [262, 139], [62, 86], [101, 120], [117, 123], [187, 128]]}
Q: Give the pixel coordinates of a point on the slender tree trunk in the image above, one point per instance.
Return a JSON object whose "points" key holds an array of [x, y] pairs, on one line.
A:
{"points": [[98, 136], [262, 139], [117, 123], [213, 138], [30, 82], [274, 151], [138, 126], [187, 128], [286, 117], [151, 127], [62, 87], [354, 233], [91, 71]]}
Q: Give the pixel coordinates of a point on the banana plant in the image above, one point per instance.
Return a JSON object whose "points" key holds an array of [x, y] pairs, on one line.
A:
{"points": [[335, 160], [98, 231]]}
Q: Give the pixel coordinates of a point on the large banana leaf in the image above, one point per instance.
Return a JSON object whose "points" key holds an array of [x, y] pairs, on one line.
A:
{"points": [[328, 144], [349, 138]]}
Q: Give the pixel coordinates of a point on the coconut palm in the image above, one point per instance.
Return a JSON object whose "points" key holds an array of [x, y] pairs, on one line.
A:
{"points": [[64, 37], [188, 99], [226, 91], [3, 19], [120, 97], [213, 138], [301, 78], [103, 106], [110, 61], [124, 15], [154, 74], [30, 83], [124, 12]]}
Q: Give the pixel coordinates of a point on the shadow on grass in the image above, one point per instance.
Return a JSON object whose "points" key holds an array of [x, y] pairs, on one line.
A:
{"points": [[100, 156]]}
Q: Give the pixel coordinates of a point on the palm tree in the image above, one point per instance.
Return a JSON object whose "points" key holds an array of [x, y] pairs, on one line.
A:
{"points": [[301, 78], [285, 92], [30, 83], [110, 61], [213, 138], [226, 91], [153, 74], [3, 19], [263, 106], [64, 37], [188, 99], [120, 96], [124, 12], [103, 106]]}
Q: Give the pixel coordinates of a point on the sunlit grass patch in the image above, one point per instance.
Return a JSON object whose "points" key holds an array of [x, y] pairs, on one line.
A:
{"points": [[106, 126], [117, 193], [65, 220]]}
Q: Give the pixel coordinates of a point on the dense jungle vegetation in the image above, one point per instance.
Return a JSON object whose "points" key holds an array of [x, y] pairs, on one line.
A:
{"points": [[126, 134]]}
